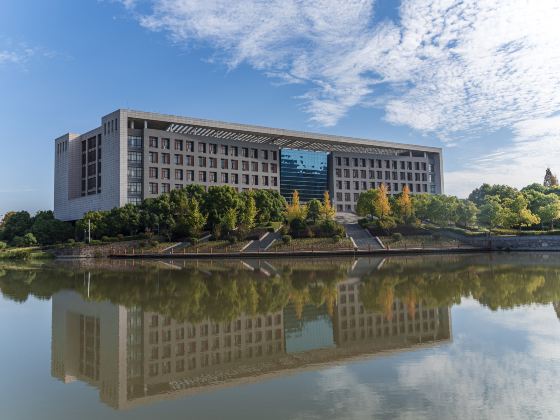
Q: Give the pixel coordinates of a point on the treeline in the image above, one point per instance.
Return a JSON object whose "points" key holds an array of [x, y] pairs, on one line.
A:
{"points": [[187, 212], [491, 206], [21, 229]]}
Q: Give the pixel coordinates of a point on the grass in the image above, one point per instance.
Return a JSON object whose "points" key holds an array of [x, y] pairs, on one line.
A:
{"points": [[315, 244], [420, 241], [30, 253], [215, 246]]}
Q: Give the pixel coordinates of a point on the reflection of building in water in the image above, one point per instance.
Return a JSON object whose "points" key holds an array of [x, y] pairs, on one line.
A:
{"points": [[135, 357], [354, 324]]}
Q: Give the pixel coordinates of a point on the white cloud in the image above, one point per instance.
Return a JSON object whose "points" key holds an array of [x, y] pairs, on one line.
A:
{"points": [[534, 148], [451, 66]]}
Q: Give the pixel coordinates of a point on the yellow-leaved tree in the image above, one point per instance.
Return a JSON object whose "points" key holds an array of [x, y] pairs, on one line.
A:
{"points": [[381, 202], [295, 210], [327, 210], [404, 205]]}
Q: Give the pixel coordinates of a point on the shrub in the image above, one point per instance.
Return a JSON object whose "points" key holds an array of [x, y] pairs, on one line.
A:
{"points": [[270, 229], [336, 239], [3, 245], [18, 241], [154, 243], [120, 236], [286, 239], [397, 236], [71, 242], [193, 241], [363, 222], [232, 239], [217, 231], [95, 242], [105, 238]]}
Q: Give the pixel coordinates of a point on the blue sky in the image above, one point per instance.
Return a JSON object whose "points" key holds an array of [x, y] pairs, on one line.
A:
{"points": [[479, 79]]}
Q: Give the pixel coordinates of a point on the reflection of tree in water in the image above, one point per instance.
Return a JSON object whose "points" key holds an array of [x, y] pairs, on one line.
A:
{"points": [[194, 293], [557, 309], [224, 291]]}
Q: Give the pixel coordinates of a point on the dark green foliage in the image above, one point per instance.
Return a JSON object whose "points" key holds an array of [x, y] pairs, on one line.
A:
{"points": [[286, 239], [478, 196], [15, 224]]}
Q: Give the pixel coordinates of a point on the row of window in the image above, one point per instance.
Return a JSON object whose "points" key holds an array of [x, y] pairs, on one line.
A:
{"points": [[203, 162], [212, 359], [387, 164], [227, 341], [237, 325], [418, 188], [212, 148], [403, 176], [225, 178]]}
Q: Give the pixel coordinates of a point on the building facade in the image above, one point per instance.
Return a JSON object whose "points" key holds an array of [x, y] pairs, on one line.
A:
{"points": [[135, 155]]}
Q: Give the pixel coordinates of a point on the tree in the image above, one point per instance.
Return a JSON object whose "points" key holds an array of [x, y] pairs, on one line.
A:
{"points": [[550, 212], [48, 230], [550, 180], [230, 220], [313, 210], [492, 213], [125, 220], [466, 213], [218, 200], [15, 223], [327, 210], [249, 212], [381, 203], [271, 205], [365, 205], [403, 205], [195, 219], [295, 210], [97, 221], [517, 213], [479, 195]]}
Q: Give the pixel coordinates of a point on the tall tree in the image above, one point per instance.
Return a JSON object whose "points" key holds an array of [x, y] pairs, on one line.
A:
{"points": [[550, 179], [327, 210], [365, 205], [403, 205], [381, 203], [550, 212], [249, 211], [466, 213], [295, 210], [313, 210]]}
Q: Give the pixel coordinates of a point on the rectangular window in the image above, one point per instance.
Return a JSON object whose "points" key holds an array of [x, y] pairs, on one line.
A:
{"points": [[202, 161], [224, 149], [135, 141], [165, 144], [234, 151], [179, 145], [153, 188], [165, 173], [189, 160], [135, 157], [179, 174], [244, 152], [134, 187], [165, 188], [213, 177], [153, 157], [153, 173], [224, 163], [244, 165], [178, 159], [254, 153], [189, 146], [166, 158], [254, 166], [264, 166], [202, 176], [225, 178], [234, 164], [246, 179], [265, 154], [235, 178], [201, 147], [190, 176], [213, 162], [134, 172], [153, 141], [213, 148]]}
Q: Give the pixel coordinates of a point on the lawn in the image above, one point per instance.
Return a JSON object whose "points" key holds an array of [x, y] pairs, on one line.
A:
{"points": [[420, 241], [315, 244]]}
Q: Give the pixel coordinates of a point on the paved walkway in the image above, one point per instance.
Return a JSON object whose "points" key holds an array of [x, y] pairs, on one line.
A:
{"points": [[363, 239], [261, 245]]}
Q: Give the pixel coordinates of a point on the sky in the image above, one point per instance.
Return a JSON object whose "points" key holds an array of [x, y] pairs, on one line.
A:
{"points": [[480, 79]]}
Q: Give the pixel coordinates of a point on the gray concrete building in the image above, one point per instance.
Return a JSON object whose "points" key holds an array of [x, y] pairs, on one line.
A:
{"points": [[134, 155]]}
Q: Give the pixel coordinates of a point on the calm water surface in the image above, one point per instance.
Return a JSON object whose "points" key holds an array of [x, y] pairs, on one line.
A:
{"points": [[425, 337]]}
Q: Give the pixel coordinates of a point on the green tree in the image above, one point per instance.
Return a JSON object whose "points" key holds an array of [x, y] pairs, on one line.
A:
{"points": [[516, 212], [97, 221], [550, 179], [271, 205], [365, 205], [492, 214], [550, 212], [15, 223], [248, 213], [313, 210], [218, 201], [229, 220], [125, 220], [48, 230], [466, 213], [478, 196]]}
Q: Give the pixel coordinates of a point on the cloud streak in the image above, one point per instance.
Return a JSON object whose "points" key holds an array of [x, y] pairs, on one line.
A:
{"points": [[451, 67]]}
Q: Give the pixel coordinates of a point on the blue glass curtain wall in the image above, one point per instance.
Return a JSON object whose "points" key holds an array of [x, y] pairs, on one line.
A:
{"points": [[304, 171]]}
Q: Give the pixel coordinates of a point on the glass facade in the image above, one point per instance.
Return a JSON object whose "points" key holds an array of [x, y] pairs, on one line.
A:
{"points": [[304, 171]]}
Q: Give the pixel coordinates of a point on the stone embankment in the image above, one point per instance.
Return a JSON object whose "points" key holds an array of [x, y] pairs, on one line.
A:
{"points": [[510, 243]]}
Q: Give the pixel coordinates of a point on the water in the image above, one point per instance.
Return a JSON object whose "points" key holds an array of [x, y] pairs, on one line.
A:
{"points": [[427, 337]]}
